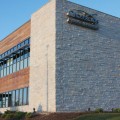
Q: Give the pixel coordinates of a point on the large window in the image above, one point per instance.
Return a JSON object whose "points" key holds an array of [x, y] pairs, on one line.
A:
{"points": [[15, 59], [14, 98]]}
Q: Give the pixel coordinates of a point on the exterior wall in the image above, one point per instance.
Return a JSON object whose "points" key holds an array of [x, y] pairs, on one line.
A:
{"points": [[42, 60], [15, 81], [18, 79], [72, 68], [87, 62]]}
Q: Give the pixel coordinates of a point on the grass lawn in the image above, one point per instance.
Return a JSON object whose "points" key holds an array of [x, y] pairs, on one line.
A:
{"points": [[100, 116]]}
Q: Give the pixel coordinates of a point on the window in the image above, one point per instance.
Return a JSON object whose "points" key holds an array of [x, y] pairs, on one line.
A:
{"points": [[3, 100], [15, 48], [5, 71], [1, 73], [21, 97], [25, 62], [14, 67], [17, 98], [6, 98], [16, 59], [9, 99], [0, 100], [18, 46], [11, 69], [18, 56], [21, 64], [25, 96], [8, 72], [18, 66], [14, 98], [22, 44]]}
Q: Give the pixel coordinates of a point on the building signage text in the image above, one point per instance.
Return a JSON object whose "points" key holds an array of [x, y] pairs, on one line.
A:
{"points": [[83, 19]]}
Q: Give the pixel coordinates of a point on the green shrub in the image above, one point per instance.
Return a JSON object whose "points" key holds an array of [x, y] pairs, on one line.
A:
{"points": [[13, 115], [19, 115], [116, 110], [29, 115], [9, 116], [3, 115], [99, 110], [0, 115]]}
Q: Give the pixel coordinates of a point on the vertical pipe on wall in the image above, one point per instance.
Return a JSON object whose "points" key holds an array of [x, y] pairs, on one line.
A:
{"points": [[47, 78]]}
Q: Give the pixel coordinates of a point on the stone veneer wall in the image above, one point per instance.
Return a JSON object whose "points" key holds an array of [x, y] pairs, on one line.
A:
{"points": [[87, 62], [42, 59]]}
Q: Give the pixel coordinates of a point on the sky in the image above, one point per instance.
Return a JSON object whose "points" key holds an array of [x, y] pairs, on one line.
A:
{"points": [[14, 13]]}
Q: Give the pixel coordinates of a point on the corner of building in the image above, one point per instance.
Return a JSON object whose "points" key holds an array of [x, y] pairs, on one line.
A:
{"points": [[42, 60]]}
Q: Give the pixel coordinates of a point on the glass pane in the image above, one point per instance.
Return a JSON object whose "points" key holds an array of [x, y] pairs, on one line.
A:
{"points": [[0, 66], [5, 63], [25, 96], [1, 73], [6, 99], [14, 59], [8, 62], [12, 50], [11, 69], [21, 97], [11, 61], [10, 99], [0, 100], [21, 64], [2, 55], [25, 63], [14, 67], [27, 41], [28, 61], [18, 46], [8, 71], [13, 98], [22, 44], [22, 55], [26, 53], [8, 51], [4, 102], [5, 70], [18, 56], [18, 67], [17, 98], [15, 48]]}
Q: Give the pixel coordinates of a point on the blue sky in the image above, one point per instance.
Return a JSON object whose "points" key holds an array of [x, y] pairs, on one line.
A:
{"points": [[14, 13]]}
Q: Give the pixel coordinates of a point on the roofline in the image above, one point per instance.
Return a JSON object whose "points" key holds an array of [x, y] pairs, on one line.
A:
{"points": [[94, 10], [15, 30], [67, 1]]}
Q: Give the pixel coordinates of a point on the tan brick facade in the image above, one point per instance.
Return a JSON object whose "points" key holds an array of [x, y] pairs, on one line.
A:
{"points": [[42, 59]]}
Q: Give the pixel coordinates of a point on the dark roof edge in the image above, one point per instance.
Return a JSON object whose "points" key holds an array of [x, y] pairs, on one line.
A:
{"points": [[15, 30], [95, 10]]}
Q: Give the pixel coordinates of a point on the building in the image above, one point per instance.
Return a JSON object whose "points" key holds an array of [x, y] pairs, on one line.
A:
{"points": [[66, 58]]}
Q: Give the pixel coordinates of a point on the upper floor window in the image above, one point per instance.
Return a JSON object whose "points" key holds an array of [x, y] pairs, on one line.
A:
{"points": [[15, 59]]}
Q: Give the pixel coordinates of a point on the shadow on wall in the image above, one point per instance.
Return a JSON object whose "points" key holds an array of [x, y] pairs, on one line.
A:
{"points": [[39, 109]]}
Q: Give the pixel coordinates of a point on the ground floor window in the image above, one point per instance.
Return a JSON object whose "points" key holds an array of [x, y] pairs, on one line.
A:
{"points": [[14, 98]]}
